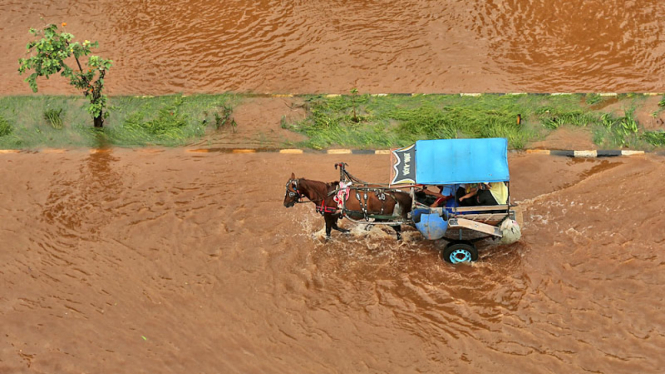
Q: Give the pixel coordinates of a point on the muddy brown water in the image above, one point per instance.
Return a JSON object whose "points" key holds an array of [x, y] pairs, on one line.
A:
{"points": [[171, 262], [322, 46]]}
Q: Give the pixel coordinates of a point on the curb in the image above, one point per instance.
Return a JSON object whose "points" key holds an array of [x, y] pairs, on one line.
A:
{"points": [[590, 154], [471, 94], [343, 151]]}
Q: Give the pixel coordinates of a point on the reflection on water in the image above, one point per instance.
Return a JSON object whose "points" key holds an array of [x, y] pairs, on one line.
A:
{"points": [[80, 203]]}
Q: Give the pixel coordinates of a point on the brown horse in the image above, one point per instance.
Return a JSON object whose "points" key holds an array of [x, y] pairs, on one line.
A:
{"points": [[362, 203]]}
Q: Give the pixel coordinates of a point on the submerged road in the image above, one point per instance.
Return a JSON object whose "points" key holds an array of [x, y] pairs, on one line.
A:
{"points": [[168, 262]]}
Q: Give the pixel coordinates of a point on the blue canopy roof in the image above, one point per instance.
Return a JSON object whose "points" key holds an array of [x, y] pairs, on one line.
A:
{"points": [[452, 161]]}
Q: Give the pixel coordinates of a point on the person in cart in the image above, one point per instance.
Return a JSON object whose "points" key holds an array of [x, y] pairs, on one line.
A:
{"points": [[482, 194], [446, 192]]}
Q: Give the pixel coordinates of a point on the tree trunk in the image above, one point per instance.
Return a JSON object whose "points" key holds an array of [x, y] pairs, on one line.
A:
{"points": [[96, 95], [99, 121]]}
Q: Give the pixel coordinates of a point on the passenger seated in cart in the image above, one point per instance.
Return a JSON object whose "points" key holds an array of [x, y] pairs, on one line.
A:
{"points": [[481, 194], [445, 193], [425, 196]]}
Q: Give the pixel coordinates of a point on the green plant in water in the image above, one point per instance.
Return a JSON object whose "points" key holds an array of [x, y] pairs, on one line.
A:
{"points": [[219, 121], [51, 52], [225, 118], [54, 118], [5, 127]]}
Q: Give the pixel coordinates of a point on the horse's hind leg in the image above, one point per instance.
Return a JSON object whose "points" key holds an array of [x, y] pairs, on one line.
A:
{"points": [[397, 228], [398, 231], [334, 226]]}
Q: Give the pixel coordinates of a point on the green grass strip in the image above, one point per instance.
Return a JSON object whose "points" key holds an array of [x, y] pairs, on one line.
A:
{"points": [[371, 122], [62, 121], [349, 121]]}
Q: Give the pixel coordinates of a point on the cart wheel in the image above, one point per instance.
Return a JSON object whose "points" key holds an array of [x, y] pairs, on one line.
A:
{"points": [[460, 252]]}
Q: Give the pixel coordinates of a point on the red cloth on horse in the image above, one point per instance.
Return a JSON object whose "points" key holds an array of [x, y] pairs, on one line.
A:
{"points": [[342, 194]]}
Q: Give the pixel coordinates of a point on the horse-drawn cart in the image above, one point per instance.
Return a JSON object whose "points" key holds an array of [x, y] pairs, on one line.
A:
{"points": [[474, 201], [454, 164]]}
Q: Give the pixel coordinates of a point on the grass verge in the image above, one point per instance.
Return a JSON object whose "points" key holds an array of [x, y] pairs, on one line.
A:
{"points": [[394, 120], [353, 121], [62, 121]]}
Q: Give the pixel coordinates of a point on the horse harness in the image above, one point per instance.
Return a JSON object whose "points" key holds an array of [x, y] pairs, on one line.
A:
{"points": [[293, 183], [380, 193], [363, 200], [323, 208]]}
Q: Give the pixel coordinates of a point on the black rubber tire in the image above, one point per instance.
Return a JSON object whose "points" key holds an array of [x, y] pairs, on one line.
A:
{"points": [[460, 252]]}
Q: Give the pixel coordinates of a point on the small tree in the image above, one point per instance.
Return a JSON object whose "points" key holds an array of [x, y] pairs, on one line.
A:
{"points": [[51, 52]]}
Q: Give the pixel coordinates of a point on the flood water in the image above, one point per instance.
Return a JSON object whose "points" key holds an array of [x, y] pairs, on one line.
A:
{"points": [[323, 46], [172, 262]]}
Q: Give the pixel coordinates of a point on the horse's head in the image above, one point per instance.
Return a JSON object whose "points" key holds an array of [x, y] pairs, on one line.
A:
{"points": [[292, 195]]}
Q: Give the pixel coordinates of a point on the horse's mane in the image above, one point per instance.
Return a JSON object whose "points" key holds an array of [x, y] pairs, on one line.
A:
{"points": [[324, 188]]}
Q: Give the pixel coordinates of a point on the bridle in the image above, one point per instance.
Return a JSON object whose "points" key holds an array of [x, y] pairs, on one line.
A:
{"points": [[294, 192]]}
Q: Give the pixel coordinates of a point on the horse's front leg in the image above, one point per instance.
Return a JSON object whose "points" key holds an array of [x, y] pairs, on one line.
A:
{"points": [[330, 224]]}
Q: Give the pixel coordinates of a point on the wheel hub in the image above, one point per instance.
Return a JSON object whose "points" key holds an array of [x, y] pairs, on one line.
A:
{"points": [[460, 255]]}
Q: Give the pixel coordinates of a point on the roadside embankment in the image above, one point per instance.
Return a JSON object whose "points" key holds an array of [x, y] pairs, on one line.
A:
{"points": [[360, 122]]}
